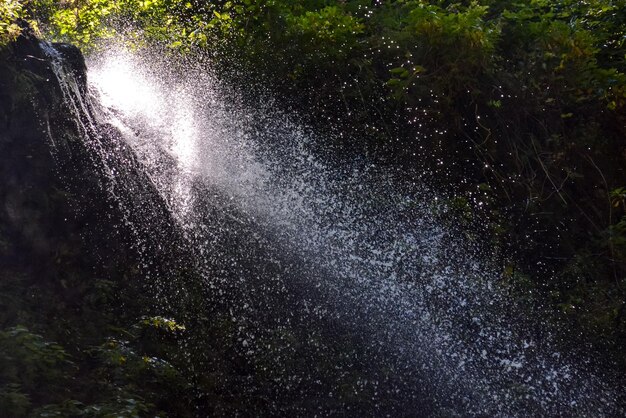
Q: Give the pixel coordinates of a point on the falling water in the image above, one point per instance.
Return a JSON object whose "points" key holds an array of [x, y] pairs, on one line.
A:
{"points": [[349, 266]]}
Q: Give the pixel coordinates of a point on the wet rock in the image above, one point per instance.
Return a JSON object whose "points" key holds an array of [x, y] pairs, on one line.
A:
{"points": [[52, 191], [55, 193], [30, 104]]}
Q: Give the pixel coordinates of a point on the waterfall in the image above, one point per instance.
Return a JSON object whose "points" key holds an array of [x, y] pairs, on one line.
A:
{"points": [[339, 287]]}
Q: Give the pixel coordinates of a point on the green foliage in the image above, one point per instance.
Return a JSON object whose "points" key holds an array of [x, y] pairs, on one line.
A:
{"points": [[616, 232], [160, 323], [10, 12], [430, 39], [25, 356], [28, 362], [14, 400], [83, 22], [37, 372], [329, 24]]}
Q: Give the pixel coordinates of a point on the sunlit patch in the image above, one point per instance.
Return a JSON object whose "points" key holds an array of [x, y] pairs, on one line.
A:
{"points": [[156, 107], [123, 87]]}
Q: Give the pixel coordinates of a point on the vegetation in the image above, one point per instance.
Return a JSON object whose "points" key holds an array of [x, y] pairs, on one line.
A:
{"points": [[520, 106]]}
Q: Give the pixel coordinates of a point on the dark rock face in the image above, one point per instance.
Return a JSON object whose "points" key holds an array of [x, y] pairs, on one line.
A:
{"points": [[52, 189], [75, 62], [31, 107], [59, 228]]}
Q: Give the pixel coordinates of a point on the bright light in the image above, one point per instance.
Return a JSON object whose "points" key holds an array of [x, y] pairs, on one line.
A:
{"points": [[124, 88], [158, 107]]}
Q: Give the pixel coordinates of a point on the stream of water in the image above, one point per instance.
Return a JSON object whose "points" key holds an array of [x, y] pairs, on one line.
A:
{"points": [[350, 255]]}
